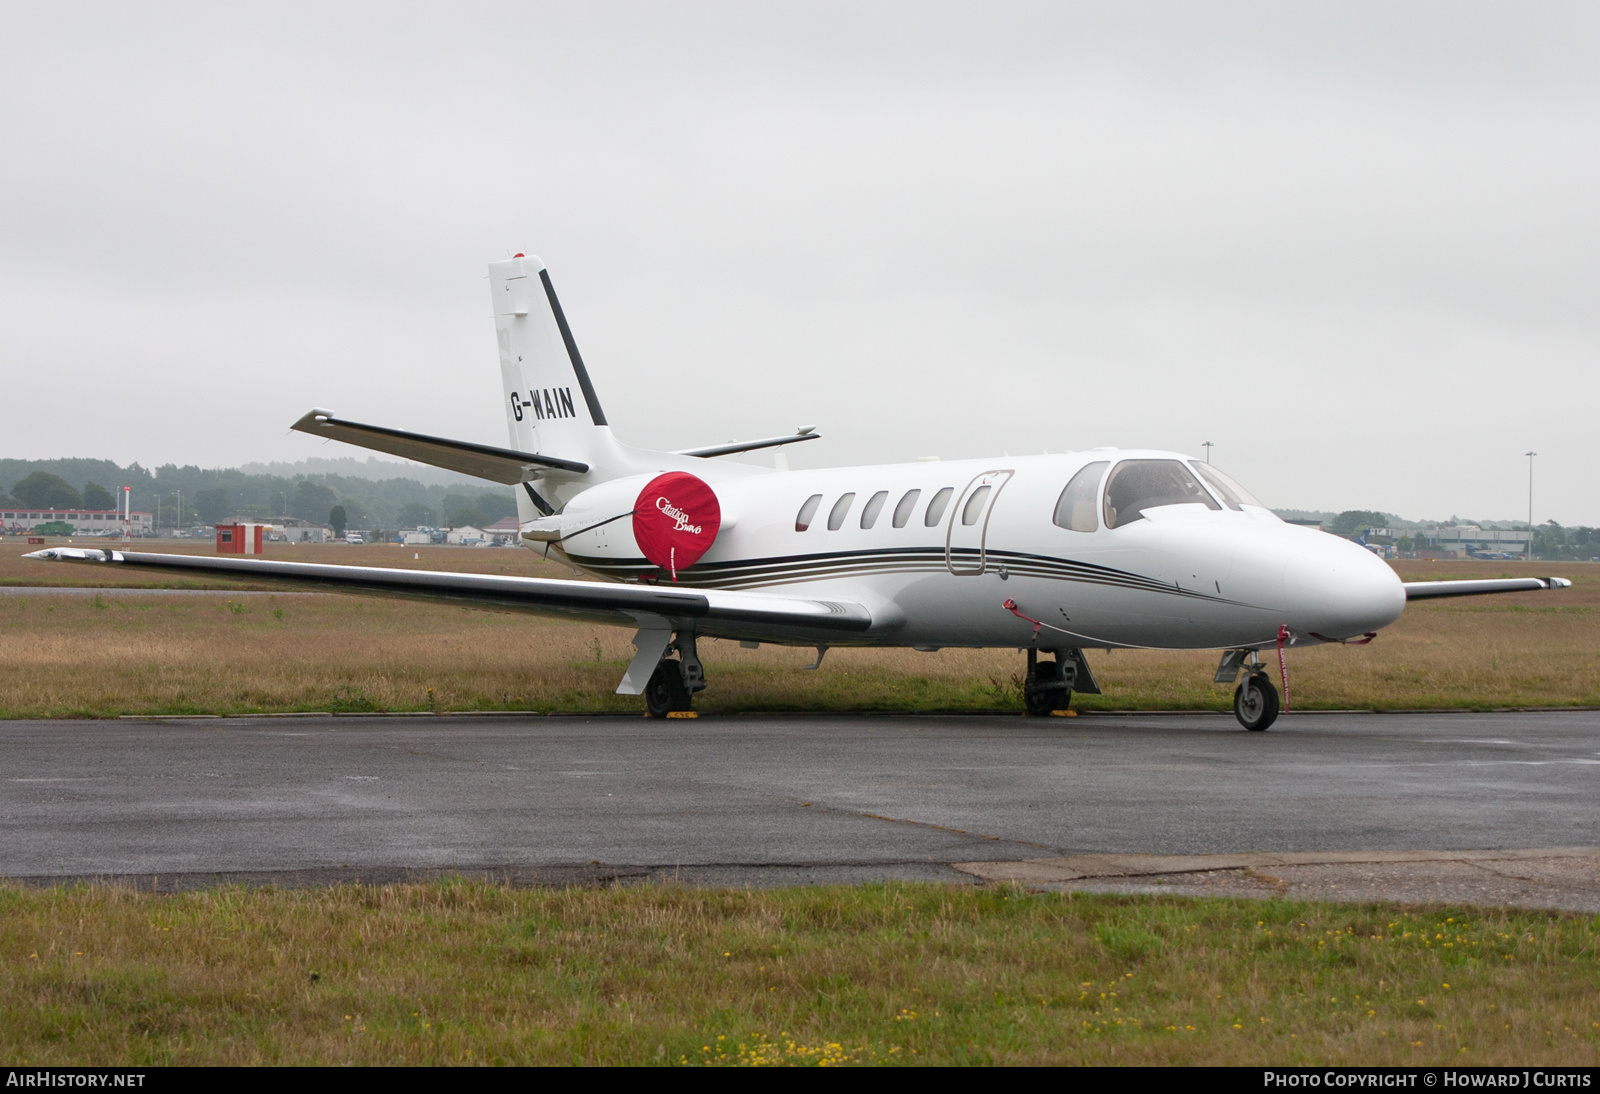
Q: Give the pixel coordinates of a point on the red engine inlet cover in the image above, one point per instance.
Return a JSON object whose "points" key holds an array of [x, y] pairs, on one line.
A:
{"points": [[676, 520]]}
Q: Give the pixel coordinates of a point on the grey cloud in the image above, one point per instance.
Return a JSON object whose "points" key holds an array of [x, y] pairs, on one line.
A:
{"points": [[1354, 245]]}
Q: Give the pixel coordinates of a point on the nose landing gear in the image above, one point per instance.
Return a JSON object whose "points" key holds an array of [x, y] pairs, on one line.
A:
{"points": [[1255, 700]]}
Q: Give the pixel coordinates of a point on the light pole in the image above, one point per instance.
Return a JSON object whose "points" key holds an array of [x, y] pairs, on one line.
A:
{"points": [[1530, 455], [1207, 446]]}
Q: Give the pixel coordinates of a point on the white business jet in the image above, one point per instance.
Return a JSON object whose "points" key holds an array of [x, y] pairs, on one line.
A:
{"points": [[1108, 549]]}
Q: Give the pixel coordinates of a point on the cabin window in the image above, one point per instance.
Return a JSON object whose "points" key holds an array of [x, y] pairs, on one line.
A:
{"points": [[840, 510], [1075, 508], [1233, 495], [903, 511], [874, 506], [1137, 485], [936, 507], [802, 519], [974, 506]]}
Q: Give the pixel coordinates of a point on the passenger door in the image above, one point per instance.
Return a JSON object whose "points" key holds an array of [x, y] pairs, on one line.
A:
{"points": [[966, 534]]}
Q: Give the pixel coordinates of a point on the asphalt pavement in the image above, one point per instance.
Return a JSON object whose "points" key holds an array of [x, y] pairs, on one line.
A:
{"points": [[771, 799]]}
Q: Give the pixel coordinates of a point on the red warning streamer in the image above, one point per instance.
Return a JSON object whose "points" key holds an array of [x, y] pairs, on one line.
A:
{"points": [[1011, 606], [1283, 667]]}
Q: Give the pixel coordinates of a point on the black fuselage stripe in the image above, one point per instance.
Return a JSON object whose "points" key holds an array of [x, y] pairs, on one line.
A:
{"points": [[747, 573]]}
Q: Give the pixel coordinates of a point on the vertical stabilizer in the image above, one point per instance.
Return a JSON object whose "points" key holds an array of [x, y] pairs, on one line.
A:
{"points": [[550, 402]]}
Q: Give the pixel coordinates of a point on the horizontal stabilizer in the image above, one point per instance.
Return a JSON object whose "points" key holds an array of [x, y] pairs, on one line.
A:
{"points": [[481, 461], [807, 434], [1427, 590], [713, 612]]}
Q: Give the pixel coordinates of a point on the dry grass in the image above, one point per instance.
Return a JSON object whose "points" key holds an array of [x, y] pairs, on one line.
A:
{"points": [[78, 657], [470, 973]]}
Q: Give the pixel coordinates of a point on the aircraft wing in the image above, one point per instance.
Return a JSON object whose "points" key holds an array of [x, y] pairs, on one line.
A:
{"points": [[714, 612], [482, 461], [1427, 590]]}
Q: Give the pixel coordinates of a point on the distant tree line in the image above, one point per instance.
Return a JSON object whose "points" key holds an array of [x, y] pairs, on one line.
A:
{"points": [[43, 490], [211, 495], [1552, 543]]}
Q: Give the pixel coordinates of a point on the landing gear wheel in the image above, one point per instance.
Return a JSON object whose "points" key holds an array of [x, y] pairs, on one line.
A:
{"points": [[665, 692], [1255, 702], [1047, 687], [1042, 703]]}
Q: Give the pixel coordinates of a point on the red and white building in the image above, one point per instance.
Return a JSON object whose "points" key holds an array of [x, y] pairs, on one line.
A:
{"points": [[240, 539]]}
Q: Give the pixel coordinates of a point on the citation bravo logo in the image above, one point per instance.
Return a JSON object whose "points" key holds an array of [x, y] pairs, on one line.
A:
{"points": [[678, 515], [1521, 1080]]}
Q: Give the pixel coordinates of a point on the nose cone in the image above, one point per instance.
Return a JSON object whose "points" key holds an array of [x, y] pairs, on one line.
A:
{"points": [[1339, 589]]}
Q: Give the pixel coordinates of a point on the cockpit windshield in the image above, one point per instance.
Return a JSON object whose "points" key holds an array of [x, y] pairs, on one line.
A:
{"points": [[1233, 495], [1137, 485]]}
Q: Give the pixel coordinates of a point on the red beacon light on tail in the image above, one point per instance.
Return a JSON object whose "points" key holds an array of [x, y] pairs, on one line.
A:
{"points": [[675, 520]]}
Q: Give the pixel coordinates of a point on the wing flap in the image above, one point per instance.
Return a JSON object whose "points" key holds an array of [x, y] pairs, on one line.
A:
{"points": [[1428, 590], [481, 461], [707, 611]]}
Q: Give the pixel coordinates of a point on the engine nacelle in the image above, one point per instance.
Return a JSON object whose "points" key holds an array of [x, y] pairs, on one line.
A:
{"points": [[670, 519]]}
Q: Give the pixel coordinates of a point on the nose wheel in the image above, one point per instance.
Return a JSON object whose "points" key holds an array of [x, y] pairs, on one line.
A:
{"points": [[1255, 702]]}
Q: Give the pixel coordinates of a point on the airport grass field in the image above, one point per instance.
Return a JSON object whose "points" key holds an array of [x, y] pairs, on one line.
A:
{"points": [[451, 973], [111, 655]]}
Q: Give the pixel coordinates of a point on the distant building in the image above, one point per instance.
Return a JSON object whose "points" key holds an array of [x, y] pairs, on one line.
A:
{"points": [[240, 539], [1471, 539], [295, 530], [466, 536], [85, 522], [507, 530]]}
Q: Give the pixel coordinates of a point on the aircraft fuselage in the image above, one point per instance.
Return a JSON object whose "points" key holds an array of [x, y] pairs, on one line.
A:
{"points": [[1191, 575]]}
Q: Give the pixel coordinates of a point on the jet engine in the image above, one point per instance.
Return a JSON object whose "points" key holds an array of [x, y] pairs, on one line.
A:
{"points": [[671, 519]]}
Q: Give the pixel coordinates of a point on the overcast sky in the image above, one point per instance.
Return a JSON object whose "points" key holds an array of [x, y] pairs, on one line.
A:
{"points": [[1357, 246]]}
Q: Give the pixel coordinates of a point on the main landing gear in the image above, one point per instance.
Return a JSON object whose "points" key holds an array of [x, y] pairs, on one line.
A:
{"points": [[672, 685], [1049, 684], [1255, 700]]}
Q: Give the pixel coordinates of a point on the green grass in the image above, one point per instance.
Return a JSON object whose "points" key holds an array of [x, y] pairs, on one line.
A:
{"points": [[114, 654], [460, 972]]}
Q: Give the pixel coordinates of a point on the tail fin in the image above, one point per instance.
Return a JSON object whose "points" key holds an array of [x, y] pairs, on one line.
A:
{"points": [[551, 402], [551, 405]]}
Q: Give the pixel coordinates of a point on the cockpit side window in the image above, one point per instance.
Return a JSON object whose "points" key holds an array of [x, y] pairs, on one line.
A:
{"points": [[1076, 505], [1137, 485], [1233, 495]]}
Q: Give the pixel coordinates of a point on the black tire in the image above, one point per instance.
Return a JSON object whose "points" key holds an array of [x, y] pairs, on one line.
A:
{"points": [[1255, 703], [1046, 691], [665, 692]]}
